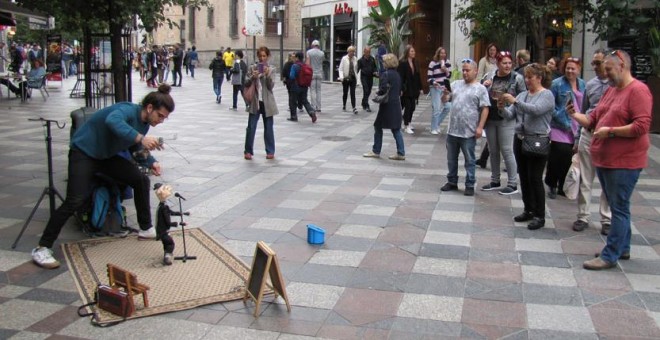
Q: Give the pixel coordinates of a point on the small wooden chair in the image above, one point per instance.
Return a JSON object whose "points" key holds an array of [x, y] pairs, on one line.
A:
{"points": [[122, 278]]}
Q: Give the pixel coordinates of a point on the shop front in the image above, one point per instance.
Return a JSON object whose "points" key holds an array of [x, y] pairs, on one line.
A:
{"points": [[334, 24]]}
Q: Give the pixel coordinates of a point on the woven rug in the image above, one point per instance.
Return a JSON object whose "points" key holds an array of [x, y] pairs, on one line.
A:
{"points": [[215, 276]]}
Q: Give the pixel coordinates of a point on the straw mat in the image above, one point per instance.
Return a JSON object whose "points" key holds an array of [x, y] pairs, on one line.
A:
{"points": [[215, 276]]}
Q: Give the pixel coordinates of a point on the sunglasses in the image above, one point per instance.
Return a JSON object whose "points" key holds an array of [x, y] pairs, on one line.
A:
{"points": [[573, 59], [596, 63], [467, 60], [618, 54], [505, 53]]}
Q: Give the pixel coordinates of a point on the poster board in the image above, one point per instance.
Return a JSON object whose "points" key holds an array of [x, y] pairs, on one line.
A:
{"points": [[54, 57], [255, 19], [264, 265]]}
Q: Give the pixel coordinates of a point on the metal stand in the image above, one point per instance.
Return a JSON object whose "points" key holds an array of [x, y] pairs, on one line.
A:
{"points": [[50, 189], [185, 256]]}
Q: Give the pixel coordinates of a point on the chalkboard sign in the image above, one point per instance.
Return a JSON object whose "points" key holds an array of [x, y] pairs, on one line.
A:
{"points": [[264, 263], [640, 59]]}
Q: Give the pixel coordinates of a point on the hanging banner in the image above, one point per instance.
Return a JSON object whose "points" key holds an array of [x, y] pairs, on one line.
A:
{"points": [[54, 57], [255, 19]]}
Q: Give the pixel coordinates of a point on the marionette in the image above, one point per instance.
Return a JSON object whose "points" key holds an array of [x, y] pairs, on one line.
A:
{"points": [[164, 222]]}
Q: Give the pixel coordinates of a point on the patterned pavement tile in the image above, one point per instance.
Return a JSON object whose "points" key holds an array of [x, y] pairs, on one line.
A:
{"points": [[338, 258], [559, 318], [506, 272], [543, 246], [548, 276], [363, 231], [431, 307], [452, 239], [552, 295], [544, 259], [497, 313], [624, 323], [313, 295]]}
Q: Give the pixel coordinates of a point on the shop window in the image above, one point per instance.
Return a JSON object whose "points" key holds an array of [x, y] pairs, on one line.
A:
{"points": [[272, 17]]}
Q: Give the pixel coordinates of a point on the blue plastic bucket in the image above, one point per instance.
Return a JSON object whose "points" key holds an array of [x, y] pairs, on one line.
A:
{"points": [[315, 235]]}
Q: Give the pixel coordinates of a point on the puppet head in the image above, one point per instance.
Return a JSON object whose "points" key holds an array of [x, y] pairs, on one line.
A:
{"points": [[163, 192]]}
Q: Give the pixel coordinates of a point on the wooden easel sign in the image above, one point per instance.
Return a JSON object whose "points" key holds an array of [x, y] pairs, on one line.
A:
{"points": [[264, 263]]}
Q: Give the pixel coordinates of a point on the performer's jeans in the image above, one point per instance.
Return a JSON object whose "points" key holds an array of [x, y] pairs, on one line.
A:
{"points": [[587, 176], [250, 131], [82, 174], [466, 146], [378, 141], [618, 185]]}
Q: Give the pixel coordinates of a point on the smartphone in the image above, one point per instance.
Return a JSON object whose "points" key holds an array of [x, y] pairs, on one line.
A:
{"points": [[447, 84], [569, 98], [260, 67]]}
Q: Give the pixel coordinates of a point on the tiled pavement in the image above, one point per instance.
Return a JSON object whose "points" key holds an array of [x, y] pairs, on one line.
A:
{"points": [[401, 260]]}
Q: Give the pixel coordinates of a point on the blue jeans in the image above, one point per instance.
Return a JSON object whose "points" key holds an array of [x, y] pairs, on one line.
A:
{"points": [[269, 134], [217, 84], [618, 185], [440, 110], [398, 138], [465, 145], [192, 68]]}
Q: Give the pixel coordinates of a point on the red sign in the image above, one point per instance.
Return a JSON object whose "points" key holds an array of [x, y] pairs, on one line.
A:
{"points": [[244, 31], [372, 3], [343, 9]]}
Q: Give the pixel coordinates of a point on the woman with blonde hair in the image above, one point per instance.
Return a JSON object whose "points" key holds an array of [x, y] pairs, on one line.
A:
{"points": [[488, 63], [348, 77], [389, 112], [439, 70]]}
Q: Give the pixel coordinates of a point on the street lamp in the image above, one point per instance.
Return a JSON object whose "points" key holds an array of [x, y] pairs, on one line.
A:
{"points": [[280, 7]]}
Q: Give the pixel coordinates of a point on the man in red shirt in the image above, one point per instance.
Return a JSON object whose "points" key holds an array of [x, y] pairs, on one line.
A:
{"points": [[619, 150]]}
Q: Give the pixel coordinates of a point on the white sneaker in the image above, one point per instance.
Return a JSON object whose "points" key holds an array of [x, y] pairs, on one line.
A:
{"points": [[147, 234], [434, 132], [43, 257], [167, 259], [410, 131]]}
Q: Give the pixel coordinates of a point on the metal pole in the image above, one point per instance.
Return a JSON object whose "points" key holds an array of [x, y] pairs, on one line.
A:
{"points": [[280, 8]]}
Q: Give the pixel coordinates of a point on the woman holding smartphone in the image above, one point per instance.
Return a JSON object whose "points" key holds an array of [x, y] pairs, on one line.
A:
{"points": [[263, 104], [563, 132]]}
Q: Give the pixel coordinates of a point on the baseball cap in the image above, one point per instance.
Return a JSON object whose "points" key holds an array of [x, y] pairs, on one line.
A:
{"points": [[315, 43]]}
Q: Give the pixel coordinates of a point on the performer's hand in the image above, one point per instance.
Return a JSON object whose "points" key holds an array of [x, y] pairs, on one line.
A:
{"points": [[155, 168], [151, 143]]}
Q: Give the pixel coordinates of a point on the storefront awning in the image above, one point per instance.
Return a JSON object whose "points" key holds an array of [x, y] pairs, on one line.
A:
{"points": [[9, 10]]}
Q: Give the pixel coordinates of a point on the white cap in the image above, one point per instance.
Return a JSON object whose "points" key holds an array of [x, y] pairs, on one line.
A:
{"points": [[315, 43]]}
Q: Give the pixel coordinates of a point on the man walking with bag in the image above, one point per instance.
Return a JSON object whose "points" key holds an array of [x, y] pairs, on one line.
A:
{"points": [[368, 70]]}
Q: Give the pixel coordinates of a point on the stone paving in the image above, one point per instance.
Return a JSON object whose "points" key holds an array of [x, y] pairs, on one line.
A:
{"points": [[401, 259]]}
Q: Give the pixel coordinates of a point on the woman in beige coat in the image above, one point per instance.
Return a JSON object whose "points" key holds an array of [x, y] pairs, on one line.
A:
{"points": [[263, 104]]}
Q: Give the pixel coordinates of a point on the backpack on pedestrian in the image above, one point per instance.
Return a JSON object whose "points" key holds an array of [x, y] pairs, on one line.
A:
{"points": [[304, 78]]}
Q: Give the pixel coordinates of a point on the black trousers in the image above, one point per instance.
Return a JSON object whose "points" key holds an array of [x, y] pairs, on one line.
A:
{"points": [[408, 106], [298, 98], [559, 161], [176, 74], [530, 171], [349, 85], [367, 84], [82, 173]]}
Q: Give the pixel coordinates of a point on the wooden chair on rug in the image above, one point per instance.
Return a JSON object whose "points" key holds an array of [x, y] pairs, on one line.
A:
{"points": [[124, 279]]}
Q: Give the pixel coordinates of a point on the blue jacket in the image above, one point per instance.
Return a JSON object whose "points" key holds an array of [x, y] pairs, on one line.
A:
{"points": [[560, 86], [111, 130], [295, 69]]}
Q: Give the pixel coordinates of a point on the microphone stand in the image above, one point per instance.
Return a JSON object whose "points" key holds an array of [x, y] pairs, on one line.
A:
{"points": [[185, 256]]}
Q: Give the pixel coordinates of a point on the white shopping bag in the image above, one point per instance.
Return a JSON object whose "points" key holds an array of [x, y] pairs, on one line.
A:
{"points": [[572, 181]]}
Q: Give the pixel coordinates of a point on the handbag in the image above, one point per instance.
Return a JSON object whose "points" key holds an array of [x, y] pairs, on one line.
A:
{"points": [[535, 145], [572, 181], [383, 97], [250, 91]]}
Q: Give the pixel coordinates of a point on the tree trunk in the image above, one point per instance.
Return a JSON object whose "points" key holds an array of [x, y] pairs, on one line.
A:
{"points": [[118, 67]]}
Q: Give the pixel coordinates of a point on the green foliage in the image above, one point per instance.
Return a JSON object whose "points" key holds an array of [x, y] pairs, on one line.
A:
{"points": [[390, 25], [500, 20], [614, 18]]}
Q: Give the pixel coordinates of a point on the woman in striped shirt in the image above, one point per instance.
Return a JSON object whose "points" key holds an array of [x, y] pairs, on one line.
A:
{"points": [[439, 70]]}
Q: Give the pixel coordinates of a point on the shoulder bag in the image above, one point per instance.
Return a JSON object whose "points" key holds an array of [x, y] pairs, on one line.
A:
{"points": [[112, 300], [534, 145], [250, 91], [383, 97]]}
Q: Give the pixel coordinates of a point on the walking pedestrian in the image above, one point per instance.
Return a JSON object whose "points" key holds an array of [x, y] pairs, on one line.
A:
{"points": [[238, 74], [411, 86], [177, 61], [389, 113], [300, 90], [348, 77], [217, 68], [368, 70], [194, 60], [315, 59]]}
